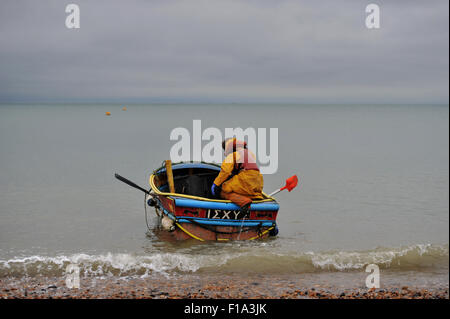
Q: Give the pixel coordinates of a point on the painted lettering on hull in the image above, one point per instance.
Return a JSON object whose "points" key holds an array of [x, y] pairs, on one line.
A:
{"points": [[226, 214]]}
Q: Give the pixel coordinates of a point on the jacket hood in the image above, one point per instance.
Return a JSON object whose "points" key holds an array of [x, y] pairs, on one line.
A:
{"points": [[232, 145]]}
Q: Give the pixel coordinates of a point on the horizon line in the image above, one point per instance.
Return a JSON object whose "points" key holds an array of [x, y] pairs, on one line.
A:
{"points": [[217, 103]]}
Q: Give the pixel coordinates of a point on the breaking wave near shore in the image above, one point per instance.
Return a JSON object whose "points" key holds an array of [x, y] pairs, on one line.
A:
{"points": [[415, 257]]}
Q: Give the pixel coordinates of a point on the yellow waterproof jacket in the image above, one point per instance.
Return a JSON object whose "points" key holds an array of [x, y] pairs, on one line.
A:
{"points": [[247, 182]]}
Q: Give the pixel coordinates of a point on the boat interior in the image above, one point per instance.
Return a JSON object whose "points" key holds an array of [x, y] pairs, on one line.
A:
{"points": [[189, 181], [194, 179]]}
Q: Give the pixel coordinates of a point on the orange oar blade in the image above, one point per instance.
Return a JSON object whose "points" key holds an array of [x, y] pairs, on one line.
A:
{"points": [[291, 182]]}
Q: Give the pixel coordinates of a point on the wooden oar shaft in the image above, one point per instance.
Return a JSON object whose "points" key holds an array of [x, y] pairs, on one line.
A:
{"points": [[170, 176]]}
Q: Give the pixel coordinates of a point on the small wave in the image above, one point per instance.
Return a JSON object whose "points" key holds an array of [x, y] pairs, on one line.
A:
{"points": [[125, 264], [403, 258], [119, 264]]}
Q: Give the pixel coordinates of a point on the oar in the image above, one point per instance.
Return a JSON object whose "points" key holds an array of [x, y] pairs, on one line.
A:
{"points": [[126, 181], [291, 182]]}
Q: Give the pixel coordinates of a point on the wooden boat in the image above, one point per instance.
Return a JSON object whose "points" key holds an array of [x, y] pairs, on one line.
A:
{"points": [[191, 213]]}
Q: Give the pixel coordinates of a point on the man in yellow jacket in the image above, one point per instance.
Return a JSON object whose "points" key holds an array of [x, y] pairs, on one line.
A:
{"points": [[239, 179]]}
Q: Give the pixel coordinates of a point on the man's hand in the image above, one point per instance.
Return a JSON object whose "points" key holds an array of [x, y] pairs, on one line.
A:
{"points": [[215, 190]]}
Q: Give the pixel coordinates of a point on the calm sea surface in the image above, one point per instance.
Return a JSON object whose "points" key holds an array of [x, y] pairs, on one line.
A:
{"points": [[374, 188]]}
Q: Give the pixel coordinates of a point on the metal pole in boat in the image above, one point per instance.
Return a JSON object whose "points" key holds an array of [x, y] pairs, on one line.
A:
{"points": [[275, 192]]}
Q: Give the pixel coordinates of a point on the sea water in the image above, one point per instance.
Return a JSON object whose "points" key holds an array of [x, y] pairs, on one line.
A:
{"points": [[374, 189]]}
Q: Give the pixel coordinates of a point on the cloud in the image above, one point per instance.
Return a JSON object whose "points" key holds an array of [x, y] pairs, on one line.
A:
{"points": [[211, 50]]}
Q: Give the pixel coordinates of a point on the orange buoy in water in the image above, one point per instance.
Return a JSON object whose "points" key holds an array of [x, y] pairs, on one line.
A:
{"points": [[124, 108], [108, 113]]}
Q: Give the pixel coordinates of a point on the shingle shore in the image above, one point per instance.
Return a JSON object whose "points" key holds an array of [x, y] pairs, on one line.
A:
{"points": [[207, 287]]}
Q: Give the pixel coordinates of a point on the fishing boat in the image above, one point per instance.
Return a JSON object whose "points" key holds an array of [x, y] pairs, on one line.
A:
{"points": [[186, 209], [191, 212]]}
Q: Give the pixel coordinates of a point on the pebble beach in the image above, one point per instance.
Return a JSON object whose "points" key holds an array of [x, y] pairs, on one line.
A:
{"points": [[193, 287]]}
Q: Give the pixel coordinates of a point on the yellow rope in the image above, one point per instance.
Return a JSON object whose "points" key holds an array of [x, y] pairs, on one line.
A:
{"points": [[158, 192], [192, 235], [224, 239], [262, 234]]}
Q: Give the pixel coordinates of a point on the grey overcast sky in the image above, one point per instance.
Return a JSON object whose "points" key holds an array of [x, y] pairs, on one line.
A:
{"points": [[224, 51]]}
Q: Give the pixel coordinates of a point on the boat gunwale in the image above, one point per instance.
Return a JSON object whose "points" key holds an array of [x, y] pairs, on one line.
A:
{"points": [[159, 193]]}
